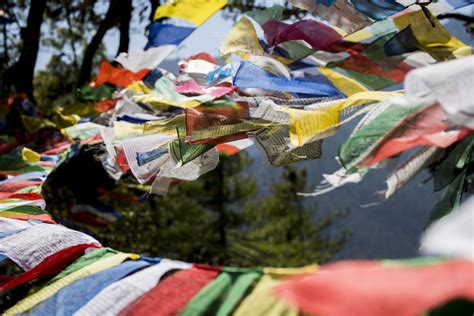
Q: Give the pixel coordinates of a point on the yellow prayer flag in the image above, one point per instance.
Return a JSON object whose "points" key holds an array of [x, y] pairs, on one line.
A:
{"points": [[194, 11], [262, 301], [139, 87], [124, 129], [434, 40], [30, 155], [306, 124], [241, 40], [346, 85]]}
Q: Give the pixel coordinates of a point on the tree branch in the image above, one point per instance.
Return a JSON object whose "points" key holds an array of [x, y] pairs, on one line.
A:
{"points": [[106, 24]]}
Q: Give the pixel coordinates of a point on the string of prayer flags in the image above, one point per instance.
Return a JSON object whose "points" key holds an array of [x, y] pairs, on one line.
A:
{"points": [[172, 294], [119, 283]]}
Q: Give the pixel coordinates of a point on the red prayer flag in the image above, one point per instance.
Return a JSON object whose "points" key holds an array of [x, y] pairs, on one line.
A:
{"points": [[423, 128], [373, 289], [48, 267], [173, 293], [118, 76]]}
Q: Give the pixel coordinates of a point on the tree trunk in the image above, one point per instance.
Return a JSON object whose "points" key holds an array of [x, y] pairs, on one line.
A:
{"points": [[154, 5], [126, 10], [20, 75], [6, 57], [106, 24]]}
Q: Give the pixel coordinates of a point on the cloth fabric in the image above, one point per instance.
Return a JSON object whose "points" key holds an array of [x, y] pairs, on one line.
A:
{"points": [[452, 89], [422, 158], [319, 35], [341, 14], [165, 94], [262, 301], [321, 118], [142, 144], [172, 294], [117, 296], [222, 296], [191, 87], [160, 34], [9, 224], [48, 267], [31, 246], [148, 59], [88, 258], [378, 10], [452, 235], [355, 148], [51, 289], [435, 40], [241, 40], [251, 76], [196, 12], [360, 288], [426, 127], [72, 297], [231, 148], [118, 76]]}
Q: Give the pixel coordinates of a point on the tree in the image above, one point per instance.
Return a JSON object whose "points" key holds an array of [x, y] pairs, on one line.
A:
{"points": [[217, 219], [281, 231], [110, 19], [20, 75], [125, 19]]}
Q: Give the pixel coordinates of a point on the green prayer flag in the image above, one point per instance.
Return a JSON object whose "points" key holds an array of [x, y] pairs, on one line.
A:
{"points": [[268, 14], [361, 142], [223, 295], [82, 262]]}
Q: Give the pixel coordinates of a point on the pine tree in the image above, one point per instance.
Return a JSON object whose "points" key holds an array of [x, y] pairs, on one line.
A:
{"points": [[219, 219]]}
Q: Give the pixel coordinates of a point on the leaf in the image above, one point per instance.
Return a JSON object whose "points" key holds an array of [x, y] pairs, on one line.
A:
{"points": [[457, 159]]}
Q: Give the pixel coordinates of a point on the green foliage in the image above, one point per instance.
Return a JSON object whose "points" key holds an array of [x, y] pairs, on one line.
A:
{"points": [[219, 219], [282, 229]]}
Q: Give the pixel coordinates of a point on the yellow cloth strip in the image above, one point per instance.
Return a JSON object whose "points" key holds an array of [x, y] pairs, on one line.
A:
{"points": [[225, 130], [48, 291], [304, 124], [194, 11], [165, 126], [11, 214], [158, 101], [241, 40], [124, 129], [261, 301], [30, 155], [345, 84], [434, 40], [139, 87]]}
